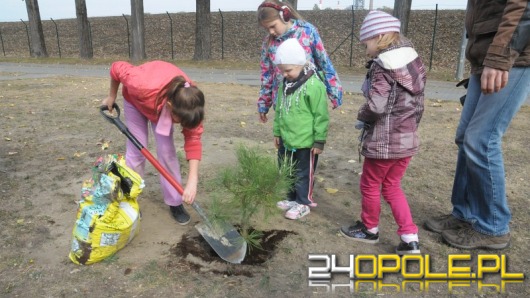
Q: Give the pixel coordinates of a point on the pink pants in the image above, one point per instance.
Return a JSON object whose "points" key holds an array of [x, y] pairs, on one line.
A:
{"points": [[166, 153], [383, 176]]}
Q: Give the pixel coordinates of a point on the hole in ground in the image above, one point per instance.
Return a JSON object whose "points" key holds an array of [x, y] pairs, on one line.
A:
{"points": [[196, 253]]}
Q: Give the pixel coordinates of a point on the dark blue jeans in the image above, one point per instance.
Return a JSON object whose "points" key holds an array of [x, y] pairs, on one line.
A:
{"points": [[305, 164]]}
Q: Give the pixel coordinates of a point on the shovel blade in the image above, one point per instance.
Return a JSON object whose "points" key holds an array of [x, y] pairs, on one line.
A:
{"points": [[225, 241]]}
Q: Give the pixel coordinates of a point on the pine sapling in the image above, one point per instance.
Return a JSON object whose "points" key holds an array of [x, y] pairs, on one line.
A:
{"points": [[251, 188]]}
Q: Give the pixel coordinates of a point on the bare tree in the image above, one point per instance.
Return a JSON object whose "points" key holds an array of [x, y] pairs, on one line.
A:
{"points": [[203, 39], [83, 30], [402, 12], [138, 32], [37, 44], [294, 4]]}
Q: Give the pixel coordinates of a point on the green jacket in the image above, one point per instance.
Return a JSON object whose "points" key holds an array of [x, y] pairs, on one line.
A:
{"points": [[301, 118]]}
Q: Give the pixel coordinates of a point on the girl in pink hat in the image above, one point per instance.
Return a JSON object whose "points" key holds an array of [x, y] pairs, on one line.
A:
{"points": [[388, 120]]}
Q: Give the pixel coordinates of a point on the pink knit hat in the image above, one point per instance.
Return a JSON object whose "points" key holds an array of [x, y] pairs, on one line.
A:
{"points": [[378, 22]]}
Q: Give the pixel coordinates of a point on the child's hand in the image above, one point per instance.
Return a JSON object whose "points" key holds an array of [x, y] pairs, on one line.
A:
{"points": [[277, 142], [359, 124], [316, 150], [109, 102], [263, 117]]}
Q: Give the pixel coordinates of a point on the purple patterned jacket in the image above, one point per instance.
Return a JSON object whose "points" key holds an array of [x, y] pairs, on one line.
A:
{"points": [[394, 90], [310, 40]]}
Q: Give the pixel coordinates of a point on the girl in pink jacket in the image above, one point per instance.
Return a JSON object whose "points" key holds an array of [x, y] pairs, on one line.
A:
{"points": [[160, 94]]}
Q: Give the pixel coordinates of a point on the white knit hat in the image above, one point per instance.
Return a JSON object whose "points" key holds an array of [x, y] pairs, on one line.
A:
{"points": [[290, 52], [378, 22]]}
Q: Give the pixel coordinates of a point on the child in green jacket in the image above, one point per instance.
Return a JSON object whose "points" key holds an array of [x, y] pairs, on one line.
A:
{"points": [[300, 123]]}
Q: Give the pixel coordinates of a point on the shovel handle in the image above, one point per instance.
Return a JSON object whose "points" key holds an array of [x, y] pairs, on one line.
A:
{"points": [[116, 121]]}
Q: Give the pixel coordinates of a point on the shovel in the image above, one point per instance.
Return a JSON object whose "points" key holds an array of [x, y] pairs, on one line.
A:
{"points": [[222, 237]]}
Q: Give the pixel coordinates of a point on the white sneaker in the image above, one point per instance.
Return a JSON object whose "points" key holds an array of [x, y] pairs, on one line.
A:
{"points": [[286, 204], [297, 211]]}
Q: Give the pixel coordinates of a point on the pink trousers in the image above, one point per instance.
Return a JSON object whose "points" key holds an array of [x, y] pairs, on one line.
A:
{"points": [[383, 177], [166, 153]]}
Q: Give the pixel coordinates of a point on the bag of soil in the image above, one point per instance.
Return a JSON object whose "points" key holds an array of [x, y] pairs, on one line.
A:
{"points": [[108, 216]]}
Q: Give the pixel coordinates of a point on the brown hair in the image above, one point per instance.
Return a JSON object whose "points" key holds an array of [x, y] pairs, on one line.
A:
{"points": [[186, 101], [388, 39], [268, 14]]}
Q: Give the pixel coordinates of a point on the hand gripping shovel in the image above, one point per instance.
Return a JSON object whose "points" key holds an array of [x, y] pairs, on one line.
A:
{"points": [[222, 237]]}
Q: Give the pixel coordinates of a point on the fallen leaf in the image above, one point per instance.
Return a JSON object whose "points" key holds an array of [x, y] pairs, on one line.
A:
{"points": [[332, 190], [61, 158], [12, 153], [7, 139], [79, 154], [242, 124], [105, 145], [320, 179], [20, 221], [352, 161]]}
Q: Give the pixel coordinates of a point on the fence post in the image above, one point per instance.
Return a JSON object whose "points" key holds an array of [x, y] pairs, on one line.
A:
{"points": [[461, 57], [2, 40], [57, 34], [352, 32], [171, 33], [128, 39], [222, 35], [433, 35], [27, 33], [90, 35]]}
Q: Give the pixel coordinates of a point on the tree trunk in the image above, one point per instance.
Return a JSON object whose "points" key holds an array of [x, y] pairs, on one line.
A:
{"points": [[83, 30], [37, 44], [138, 32], [402, 12], [203, 39]]}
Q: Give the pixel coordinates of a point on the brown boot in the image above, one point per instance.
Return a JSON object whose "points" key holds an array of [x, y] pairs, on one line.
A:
{"points": [[444, 222], [468, 238]]}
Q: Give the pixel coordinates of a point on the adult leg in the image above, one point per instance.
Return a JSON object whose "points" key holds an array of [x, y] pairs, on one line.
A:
{"points": [[459, 197], [138, 126], [461, 215], [482, 149]]}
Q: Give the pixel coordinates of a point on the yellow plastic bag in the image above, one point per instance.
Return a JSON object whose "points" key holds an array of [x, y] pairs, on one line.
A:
{"points": [[108, 216]]}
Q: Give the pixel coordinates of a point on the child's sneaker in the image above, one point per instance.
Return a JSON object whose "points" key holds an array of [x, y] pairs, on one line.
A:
{"points": [[404, 248], [297, 211], [285, 204], [359, 232]]}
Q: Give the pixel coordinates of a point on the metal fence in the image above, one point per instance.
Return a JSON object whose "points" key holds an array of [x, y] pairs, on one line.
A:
{"points": [[437, 35]]}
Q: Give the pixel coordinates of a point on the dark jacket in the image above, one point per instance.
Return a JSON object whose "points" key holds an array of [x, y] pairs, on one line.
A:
{"points": [[498, 33], [394, 92]]}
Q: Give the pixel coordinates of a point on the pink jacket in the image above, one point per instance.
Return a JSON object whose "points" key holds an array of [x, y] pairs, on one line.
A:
{"points": [[140, 87]]}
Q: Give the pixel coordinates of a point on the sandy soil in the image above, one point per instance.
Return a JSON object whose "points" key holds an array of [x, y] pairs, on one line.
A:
{"points": [[52, 133]]}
